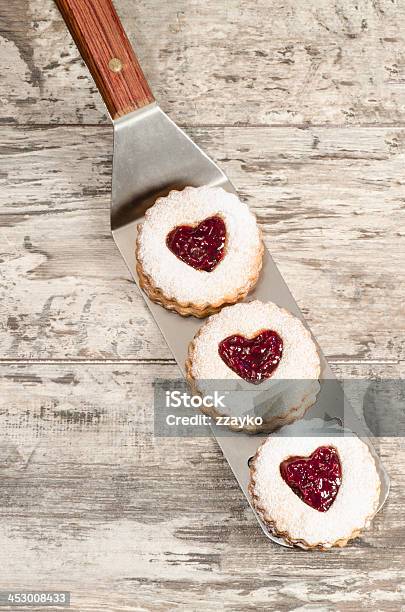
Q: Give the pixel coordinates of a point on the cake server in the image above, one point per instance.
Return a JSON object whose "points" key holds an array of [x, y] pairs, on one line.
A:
{"points": [[152, 156]]}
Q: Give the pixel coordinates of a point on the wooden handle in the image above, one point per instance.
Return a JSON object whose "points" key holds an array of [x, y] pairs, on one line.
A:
{"points": [[104, 46]]}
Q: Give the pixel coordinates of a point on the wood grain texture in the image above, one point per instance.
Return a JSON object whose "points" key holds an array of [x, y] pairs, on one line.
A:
{"points": [[93, 503], [98, 33], [330, 203], [250, 62], [90, 500]]}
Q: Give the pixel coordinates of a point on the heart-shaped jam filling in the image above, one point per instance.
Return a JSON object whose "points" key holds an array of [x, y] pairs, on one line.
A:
{"points": [[253, 359], [315, 479], [201, 246]]}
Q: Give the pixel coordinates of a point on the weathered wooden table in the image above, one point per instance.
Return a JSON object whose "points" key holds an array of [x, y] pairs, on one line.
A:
{"points": [[303, 104]]}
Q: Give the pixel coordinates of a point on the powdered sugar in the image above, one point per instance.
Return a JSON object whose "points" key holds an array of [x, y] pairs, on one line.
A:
{"points": [[299, 359], [176, 279], [355, 503]]}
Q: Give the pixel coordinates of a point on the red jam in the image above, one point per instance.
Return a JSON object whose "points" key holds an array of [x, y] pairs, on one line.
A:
{"points": [[202, 246], [253, 359], [315, 479]]}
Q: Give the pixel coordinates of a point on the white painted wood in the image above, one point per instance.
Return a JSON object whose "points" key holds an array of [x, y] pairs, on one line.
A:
{"points": [[330, 202], [236, 62], [90, 500]]}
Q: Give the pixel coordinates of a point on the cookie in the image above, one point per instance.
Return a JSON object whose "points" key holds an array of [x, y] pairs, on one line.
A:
{"points": [[254, 343], [197, 250], [314, 491]]}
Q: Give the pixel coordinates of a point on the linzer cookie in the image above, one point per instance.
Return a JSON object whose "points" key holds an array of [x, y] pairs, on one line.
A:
{"points": [[197, 250], [316, 491], [257, 343]]}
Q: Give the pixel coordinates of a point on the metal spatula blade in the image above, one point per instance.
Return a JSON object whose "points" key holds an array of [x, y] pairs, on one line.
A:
{"points": [[151, 157], [173, 161]]}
